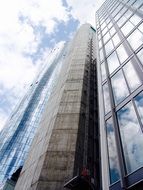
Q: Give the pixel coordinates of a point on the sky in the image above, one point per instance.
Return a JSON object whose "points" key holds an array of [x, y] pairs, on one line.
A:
{"points": [[29, 30]]}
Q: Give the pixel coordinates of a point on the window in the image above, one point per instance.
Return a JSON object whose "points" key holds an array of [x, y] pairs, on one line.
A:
{"points": [[140, 55], [121, 53], [128, 14], [110, 25], [141, 28], [101, 55], [139, 104], [109, 47], [135, 19], [137, 3], [131, 2], [141, 8], [135, 39], [112, 152], [113, 62], [106, 98], [121, 21], [100, 44], [116, 39], [112, 31], [103, 25], [131, 136], [119, 86], [106, 37], [126, 29], [103, 71], [131, 76], [104, 31]]}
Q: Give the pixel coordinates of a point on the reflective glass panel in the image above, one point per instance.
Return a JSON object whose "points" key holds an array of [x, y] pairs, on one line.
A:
{"points": [[103, 25], [141, 8], [139, 103], [101, 55], [106, 98], [110, 25], [104, 31], [116, 39], [107, 20], [135, 19], [135, 39], [119, 86], [112, 31], [141, 27], [109, 47], [128, 14], [100, 44], [106, 37], [117, 16], [131, 76], [131, 136], [121, 21], [113, 62], [126, 29], [140, 55], [123, 10], [137, 3], [103, 71], [112, 152], [131, 2], [121, 53]]}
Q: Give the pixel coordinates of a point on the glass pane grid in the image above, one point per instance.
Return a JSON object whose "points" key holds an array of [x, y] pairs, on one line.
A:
{"points": [[122, 39]]}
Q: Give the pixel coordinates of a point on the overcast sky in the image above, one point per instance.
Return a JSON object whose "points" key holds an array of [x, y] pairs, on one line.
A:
{"points": [[29, 30]]}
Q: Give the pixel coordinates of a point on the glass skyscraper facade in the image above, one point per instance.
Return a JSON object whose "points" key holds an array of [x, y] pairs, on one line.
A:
{"points": [[95, 116], [17, 135], [120, 71]]}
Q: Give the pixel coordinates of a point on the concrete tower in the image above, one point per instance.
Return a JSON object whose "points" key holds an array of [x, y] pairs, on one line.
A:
{"points": [[66, 144]]}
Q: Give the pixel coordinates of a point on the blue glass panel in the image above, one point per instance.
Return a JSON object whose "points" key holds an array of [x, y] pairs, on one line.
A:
{"points": [[17, 135], [112, 152], [139, 104], [131, 136]]}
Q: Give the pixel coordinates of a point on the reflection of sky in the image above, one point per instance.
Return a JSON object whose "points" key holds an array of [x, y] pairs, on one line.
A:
{"points": [[101, 55], [122, 53], [112, 151], [113, 62], [132, 77], [109, 47], [119, 87], [140, 55], [135, 39], [116, 39], [132, 137], [139, 104], [103, 71], [106, 37], [106, 98], [127, 28]]}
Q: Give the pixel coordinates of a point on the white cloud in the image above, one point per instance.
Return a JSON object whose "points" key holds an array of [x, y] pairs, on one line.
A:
{"points": [[3, 118], [19, 37], [84, 10]]}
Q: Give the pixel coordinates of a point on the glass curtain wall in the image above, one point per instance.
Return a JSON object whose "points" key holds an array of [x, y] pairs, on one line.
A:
{"points": [[120, 47], [17, 135]]}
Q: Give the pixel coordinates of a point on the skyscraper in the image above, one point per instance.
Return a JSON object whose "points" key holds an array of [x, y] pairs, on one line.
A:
{"points": [[91, 132], [120, 85], [66, 143], [17, 135]]}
